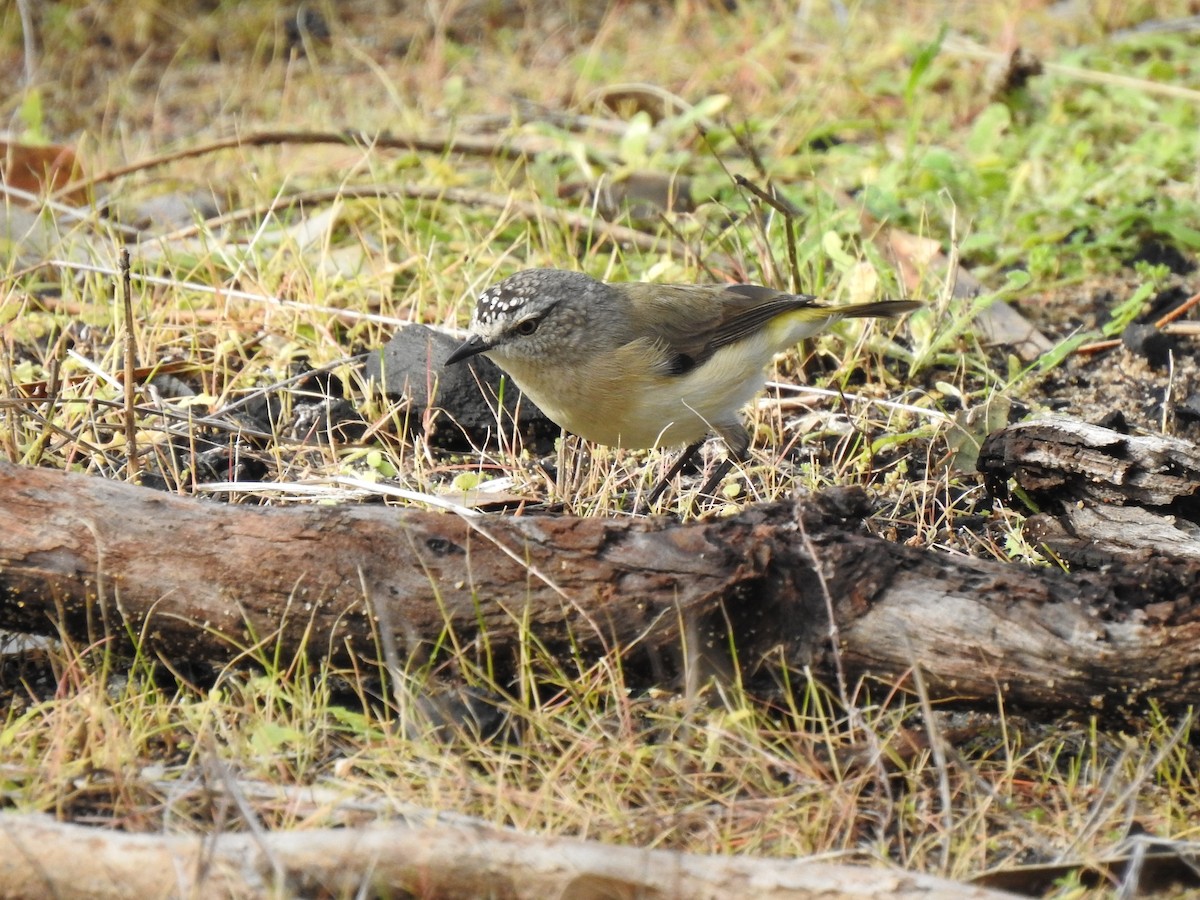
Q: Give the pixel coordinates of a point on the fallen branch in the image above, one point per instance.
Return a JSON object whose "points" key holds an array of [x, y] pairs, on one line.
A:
{"points": [[466, 145], [43, 858], [1121, 502], [189, 578], [94, 560]]}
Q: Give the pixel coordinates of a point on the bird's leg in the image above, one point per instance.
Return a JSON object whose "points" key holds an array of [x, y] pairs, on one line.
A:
{"points": [[737, 439], [718, 475], [684, 459]]}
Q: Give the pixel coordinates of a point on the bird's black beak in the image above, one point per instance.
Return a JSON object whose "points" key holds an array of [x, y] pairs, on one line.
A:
{"points": [[473, 346]]}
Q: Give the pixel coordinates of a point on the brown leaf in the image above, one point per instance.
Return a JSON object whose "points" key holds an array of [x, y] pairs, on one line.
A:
{"points": [[40, 169]]}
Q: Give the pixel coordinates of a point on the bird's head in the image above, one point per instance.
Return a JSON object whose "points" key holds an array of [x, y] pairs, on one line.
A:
{"points": [[536, 315]]}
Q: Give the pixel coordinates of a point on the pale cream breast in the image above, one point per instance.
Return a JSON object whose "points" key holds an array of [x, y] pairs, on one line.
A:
{"points": [[592, 398], [710, 395], [621, 400]]}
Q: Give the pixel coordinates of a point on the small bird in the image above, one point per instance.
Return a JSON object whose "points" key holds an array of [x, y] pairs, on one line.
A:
{"points": [[633, 364]]}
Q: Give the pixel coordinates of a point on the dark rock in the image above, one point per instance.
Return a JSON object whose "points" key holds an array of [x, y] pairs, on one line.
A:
{"points": [[1148, 341], [1189, 409], [456, 404], [307, 23]]}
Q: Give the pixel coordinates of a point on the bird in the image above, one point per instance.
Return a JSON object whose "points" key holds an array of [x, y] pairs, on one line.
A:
{"points": [[644, 365]]}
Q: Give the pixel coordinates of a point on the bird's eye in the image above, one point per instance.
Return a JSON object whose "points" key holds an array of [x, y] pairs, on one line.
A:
{"points": [[528, 327]]}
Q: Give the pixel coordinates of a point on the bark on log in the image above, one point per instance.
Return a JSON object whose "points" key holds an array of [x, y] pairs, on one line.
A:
{"points": [[1109, 499], [1066, 460], [192, 579], [43, 858]]}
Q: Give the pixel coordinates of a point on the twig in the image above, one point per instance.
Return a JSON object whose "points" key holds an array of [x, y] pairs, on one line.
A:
{"points": [[231, 293], [88, 215], [526, 209], [1098, 346], [435, 859], [835, 637], [1178, 311], [468, 146], [1165, 324], [131, 457], [772, 197], [54, 386], [30, 42], [938, 748], [964, 47], [934, 415]]}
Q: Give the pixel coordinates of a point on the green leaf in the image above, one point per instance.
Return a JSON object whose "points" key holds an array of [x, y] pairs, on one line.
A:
{"points": [[33, 116], [831, 243], [988, 130], [1055, 355], [1016, 280], [1125, 312], [924, 59]]}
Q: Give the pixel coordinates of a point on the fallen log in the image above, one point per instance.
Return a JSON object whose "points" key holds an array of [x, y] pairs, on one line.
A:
{"points": [[1066, 461], [43, 858], [1112, 501], [97, 560]]}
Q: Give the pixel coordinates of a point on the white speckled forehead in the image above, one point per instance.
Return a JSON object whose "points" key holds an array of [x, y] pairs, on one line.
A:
{"points": [[500, 300]]}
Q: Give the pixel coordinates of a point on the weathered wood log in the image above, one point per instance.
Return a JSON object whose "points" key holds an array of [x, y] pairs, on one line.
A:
{"points": [[1065, 460], [96, 559], [1109, 499], [191, 579], [43, 858]]}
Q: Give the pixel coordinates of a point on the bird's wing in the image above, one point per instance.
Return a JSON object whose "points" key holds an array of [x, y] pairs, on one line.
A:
{"points": [[692, 322]]}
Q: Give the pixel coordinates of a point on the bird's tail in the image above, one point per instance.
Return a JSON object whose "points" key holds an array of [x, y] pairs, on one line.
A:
{"points": [[877, 308]]}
